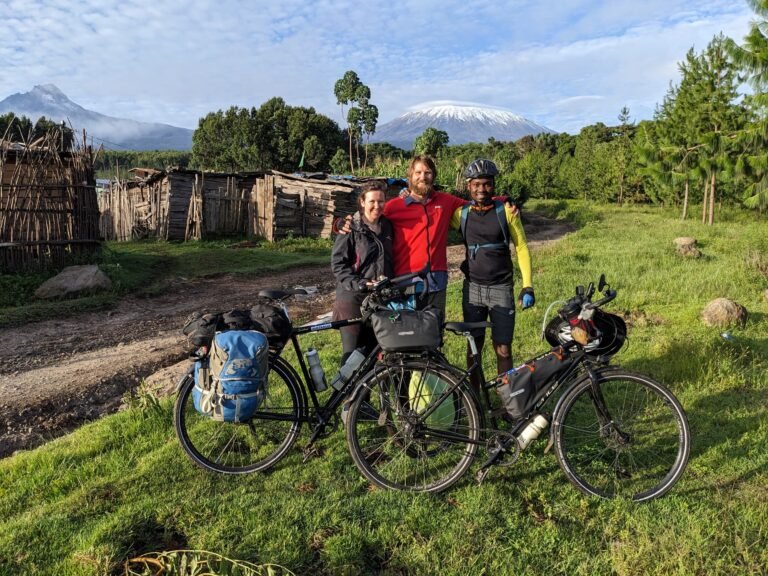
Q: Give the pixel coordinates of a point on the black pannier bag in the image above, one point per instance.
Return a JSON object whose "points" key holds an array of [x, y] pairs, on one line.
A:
{"points": [[402, 330], [200, 328], [519, 388], [237, 320], [272, 321]]}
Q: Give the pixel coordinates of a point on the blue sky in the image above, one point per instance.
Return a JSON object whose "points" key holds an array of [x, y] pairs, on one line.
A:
{"points": [[564, 64]]}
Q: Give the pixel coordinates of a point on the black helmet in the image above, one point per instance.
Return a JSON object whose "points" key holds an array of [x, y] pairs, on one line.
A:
{"points": [[481, 168], [608, 333]]}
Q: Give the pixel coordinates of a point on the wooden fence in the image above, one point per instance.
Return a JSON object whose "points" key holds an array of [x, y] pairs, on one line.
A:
{"points": [[48, 210], [187, 205]]}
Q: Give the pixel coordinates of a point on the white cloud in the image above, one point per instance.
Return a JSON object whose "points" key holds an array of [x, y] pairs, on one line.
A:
{"points": [[564, 64]]}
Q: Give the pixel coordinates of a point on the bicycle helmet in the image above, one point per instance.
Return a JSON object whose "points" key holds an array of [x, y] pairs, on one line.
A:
{"points": [[606, 333], [481, 168]]}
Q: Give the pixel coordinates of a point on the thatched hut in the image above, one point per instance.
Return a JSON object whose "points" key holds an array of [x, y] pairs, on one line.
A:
{"points": [[48, 209]]}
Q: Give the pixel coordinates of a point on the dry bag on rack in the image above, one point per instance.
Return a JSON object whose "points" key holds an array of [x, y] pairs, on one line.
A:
{"points": [[519, 388], [230, 383]]}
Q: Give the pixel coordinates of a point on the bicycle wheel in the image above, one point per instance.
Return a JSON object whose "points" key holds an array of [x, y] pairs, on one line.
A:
{"points": [[639, 453], [408, 429], [251, 446]]}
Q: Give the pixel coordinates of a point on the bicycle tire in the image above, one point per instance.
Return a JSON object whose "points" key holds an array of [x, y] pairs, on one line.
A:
{"points": [[639, 455], [392, 440], [251, 446]]}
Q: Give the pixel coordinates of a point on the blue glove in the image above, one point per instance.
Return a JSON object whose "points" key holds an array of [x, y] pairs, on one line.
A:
{"points": [[527, 298]]}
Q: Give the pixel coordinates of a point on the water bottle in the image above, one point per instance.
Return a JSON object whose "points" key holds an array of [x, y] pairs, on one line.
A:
{"points": [[346, 371], [532, 431], [316, 371]]}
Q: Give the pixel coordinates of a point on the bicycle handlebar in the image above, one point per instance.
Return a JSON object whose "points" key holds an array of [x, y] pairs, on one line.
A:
{"points": [[609, 295]]}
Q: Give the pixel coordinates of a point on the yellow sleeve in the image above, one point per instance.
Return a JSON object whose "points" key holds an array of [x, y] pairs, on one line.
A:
{"points": [[515, 225], [456, 218]]}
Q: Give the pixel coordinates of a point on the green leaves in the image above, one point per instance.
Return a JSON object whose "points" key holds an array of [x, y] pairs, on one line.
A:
{"points": [[361, 117], [273, 136]]}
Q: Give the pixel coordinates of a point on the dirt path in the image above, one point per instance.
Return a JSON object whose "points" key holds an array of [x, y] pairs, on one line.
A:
{"points": [[57, 374]]}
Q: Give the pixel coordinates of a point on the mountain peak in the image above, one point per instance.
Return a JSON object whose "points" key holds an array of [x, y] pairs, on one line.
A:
{"points": [[51, 89], [463, 121], [47, 100]]}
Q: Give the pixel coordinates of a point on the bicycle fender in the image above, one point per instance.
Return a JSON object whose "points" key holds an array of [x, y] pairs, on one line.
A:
{"points": [[187, 374]]}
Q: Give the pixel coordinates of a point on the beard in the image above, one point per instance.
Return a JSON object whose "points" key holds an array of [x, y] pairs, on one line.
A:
{"points": [[420, 188]]}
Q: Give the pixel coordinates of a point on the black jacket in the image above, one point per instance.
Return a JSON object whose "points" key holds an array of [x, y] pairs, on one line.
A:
{"points": [[361, 255]]}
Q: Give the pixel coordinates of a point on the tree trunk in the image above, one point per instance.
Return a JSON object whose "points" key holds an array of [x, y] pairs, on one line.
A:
{"points": [[685, 202], [704, 202], [351, 161], [712, 201]]}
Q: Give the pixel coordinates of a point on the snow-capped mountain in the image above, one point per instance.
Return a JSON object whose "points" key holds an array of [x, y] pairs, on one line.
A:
{"points": [[115, 133], [462, 121]]}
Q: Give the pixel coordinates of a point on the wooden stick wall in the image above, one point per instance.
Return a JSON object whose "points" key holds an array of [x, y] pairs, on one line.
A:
{"points": [[48, 210]]}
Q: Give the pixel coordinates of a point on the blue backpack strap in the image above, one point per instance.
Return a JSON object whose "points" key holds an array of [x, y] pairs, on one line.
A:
{"points": [[501, 214], [463, 224]]}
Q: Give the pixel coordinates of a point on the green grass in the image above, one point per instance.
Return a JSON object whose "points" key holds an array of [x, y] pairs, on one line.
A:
{"points": [[146, 268], [122, 486]]}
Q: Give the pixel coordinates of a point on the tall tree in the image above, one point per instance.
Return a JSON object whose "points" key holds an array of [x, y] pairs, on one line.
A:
{"points": [[698, 123], [752, 57], [361, 117]]}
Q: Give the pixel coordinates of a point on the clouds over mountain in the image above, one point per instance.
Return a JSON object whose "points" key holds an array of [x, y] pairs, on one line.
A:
{"points": [[115, 133]]}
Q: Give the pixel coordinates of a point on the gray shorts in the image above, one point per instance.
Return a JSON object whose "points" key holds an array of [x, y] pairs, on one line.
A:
{"points": [[479, 302]]}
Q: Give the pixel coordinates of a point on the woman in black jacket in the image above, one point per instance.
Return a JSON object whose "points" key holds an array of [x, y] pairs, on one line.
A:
{"points": [[358, 259]]}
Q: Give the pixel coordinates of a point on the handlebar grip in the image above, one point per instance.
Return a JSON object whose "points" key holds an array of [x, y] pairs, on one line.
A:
{"points": [[397, 279], [609, 295]]}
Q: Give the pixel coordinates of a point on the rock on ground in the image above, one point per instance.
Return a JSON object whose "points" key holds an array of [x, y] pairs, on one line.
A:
{"points": [[723, 312], [73, 280]]}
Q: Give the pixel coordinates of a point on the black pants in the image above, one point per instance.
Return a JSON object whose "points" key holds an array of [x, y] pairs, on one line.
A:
{"points": [[355, 335]]}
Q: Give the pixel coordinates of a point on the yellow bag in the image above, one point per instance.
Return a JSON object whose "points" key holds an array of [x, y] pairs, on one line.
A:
{"points": [[423, 390]]}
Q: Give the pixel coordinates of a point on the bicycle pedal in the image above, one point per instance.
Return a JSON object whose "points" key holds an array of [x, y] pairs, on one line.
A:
{"points": [[481, 474], [310, 452]]}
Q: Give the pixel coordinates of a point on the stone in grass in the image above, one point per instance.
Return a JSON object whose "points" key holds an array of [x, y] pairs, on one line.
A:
{"points": [[723, 312], [686, 246], [73, 280]]}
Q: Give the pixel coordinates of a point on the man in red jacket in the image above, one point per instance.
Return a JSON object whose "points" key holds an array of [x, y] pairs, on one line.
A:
{"points": [[420, 220]]}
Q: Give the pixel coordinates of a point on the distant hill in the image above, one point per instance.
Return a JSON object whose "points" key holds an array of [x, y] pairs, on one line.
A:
{"points": [[115, 133], [462, 122]]}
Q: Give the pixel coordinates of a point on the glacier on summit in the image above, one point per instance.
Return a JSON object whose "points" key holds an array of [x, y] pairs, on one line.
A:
{"points": [[463, 122]]}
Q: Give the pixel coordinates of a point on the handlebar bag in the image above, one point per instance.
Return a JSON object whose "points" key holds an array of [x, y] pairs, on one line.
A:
{"points": [[231, 382], [403, 330], [519, 388]]}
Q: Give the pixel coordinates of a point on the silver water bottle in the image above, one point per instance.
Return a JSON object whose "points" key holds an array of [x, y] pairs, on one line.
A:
{"points": [[316, 370]]}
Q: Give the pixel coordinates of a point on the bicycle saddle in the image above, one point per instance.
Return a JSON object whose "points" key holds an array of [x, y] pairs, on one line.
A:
{"points": [[461, 327], [275, 294]]}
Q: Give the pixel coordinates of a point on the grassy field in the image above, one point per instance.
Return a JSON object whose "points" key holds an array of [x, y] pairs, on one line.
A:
{"points": [[122, 486], [145, 267]]}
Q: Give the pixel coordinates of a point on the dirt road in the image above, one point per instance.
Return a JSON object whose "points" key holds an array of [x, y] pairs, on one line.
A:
{"points": [[57, 374]]}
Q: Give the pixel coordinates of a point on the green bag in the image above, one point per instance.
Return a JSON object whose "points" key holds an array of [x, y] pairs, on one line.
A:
{"points": [[422, 391]]}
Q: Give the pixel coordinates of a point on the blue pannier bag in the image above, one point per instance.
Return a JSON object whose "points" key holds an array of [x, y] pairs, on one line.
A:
{"points": [[231, 382]]}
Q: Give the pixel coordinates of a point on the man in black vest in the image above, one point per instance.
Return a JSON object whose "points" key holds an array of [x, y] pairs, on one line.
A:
{"points": [[488, 226]]}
